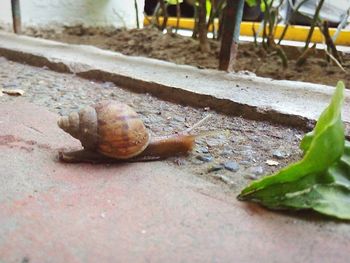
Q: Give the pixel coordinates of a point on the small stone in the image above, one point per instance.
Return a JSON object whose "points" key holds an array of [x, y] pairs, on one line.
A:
{"points": [[255, 138], [113, 94], [257, 170], [251, 176], [299, 137], [180, 162], [179, 119], [196, 161], [215, 168], [231, 166], [202, 150], [131, 42], [279, 155], [248, 153], [224, 179], [107, 85], [245, 163], [9, 85], [205, 158], [226, 152], [220, 140], [272, 163], [67, 96]]}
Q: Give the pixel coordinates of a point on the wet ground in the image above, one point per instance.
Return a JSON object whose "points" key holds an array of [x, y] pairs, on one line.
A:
{"points": [[150, 42], [239, 151]]}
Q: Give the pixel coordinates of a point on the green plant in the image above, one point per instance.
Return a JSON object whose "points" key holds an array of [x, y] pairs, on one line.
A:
{"points": [[321, 180]]}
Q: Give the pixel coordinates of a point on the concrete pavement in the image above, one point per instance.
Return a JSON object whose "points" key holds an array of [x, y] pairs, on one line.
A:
{"points": [[287, 102], [139, 212]]}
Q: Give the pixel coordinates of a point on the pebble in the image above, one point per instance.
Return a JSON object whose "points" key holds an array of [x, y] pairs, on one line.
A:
{"points": [[196, 162], [180, 162], [220, 140], [9, 85], [202, 150], [272, 163], [248, 155], [245, 163], [231, 166], [226, 153], [279, 154], [205, 158], [224, 179], [179, 119], [107, 85], [215, 168], [255, 171], [251, 176]]}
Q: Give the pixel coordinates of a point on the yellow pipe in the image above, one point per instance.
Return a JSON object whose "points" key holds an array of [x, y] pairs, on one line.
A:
{"points": [[295, 33]]}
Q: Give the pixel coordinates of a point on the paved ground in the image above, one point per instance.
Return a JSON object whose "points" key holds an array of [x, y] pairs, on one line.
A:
{"points": [[140, 212]]}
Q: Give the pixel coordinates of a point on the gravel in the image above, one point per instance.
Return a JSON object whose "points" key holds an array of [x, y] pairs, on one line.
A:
{"points": [[237, 146], [279, 155], [205, 158], [215, 168], [231, 166]]}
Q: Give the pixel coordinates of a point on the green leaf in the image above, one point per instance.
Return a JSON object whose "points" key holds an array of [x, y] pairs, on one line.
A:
{"points": [[265, 4], [174, 2], [251, 3], [321, 180]]}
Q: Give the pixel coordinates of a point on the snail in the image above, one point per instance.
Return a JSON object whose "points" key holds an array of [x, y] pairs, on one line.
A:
{"points": [[110, 131]]}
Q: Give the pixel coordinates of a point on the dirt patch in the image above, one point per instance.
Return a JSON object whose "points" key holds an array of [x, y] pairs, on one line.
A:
{"points": [[149, 42]]}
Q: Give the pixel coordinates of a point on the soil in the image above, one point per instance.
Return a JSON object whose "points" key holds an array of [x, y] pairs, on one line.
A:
{"points": [[150, 42], [236, 153]]}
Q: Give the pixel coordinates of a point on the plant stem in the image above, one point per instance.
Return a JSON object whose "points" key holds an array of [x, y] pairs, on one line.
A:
{"points": [[255, 36], [313, 24], [216, 8], [202, 27], [178, 15], [137, 14], [165, 14], [304, 56], [329, 42], [289, 19], [195, 28]]}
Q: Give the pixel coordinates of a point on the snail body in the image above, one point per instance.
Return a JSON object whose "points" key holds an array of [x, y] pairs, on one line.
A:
{"points": [[110, 130]]}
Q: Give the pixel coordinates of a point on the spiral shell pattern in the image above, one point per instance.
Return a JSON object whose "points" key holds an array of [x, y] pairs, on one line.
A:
{"points": [[109, 127]]}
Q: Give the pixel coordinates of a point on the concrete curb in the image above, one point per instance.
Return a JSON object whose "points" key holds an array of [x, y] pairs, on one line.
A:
{"points": [[284, 102]]}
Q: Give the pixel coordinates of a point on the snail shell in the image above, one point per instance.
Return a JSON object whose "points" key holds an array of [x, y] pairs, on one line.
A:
{"points": [[111, 128]]}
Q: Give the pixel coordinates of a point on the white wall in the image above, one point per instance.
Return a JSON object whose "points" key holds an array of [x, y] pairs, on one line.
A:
{"points": [[71, 12]]}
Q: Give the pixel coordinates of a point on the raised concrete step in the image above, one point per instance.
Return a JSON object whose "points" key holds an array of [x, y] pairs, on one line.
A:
{"points": [[287, 102]]}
